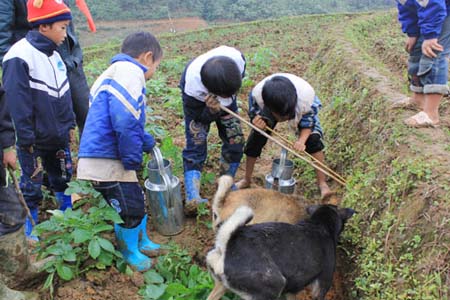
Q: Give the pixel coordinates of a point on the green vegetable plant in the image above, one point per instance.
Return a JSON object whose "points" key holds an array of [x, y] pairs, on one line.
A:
{"points": [[78, 239], [176, 277]]}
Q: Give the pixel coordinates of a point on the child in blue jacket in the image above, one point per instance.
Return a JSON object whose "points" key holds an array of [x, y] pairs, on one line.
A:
{"points": [[427, 25], [114, 139], [40, 104]]}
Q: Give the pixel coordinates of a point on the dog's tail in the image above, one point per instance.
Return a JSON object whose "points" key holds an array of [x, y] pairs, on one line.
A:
{"points": [[241, 216], [224, 186], [215, 258]]}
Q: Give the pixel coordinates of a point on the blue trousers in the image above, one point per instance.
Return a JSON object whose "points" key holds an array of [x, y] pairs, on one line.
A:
{"points": [[430, 75], [196, 133], [127, 199], [57, 164]]}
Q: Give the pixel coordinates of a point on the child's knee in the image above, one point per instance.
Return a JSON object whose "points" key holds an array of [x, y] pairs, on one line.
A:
{"points": [[314, 143]]}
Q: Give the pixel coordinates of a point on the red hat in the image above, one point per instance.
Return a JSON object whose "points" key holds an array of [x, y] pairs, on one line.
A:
{"points": [[47, 12]]}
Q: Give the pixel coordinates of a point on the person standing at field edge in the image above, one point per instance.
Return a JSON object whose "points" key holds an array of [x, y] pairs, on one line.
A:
{"points": [[16, 265], [40, 104], [114, 139], [427, 24], [208, 81]]}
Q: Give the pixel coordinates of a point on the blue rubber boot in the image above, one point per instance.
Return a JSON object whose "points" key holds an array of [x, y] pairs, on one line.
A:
{"points": [[29, 226], [192, 186], [145, 244], [127, 239], [192, 190], [229, 169], [232, 171], [65, 201], [233, 167]]}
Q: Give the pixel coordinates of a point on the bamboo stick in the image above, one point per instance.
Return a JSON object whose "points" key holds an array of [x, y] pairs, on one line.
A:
{"points": [[19, 193], [291, 144], [336, 178]]}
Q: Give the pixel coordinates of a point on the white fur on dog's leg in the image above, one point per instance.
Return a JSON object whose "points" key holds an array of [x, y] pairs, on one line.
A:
{"points": [[315, 289], [218, 291]]}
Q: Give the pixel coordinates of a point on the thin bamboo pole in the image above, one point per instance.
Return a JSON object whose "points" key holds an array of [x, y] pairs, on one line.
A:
{"points": [[337, 179], [19, 193], [291, 144]]}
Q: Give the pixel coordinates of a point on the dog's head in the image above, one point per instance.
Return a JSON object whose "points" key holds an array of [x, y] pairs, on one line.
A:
{"points": [[331, 216]]}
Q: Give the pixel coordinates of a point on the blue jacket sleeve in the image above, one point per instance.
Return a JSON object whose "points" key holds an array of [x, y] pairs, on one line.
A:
{"points": [[127, 123], [6, 26], [149, 142], [431, 18], [253, 108], [308, 120], [19, 100], [408, 18]]}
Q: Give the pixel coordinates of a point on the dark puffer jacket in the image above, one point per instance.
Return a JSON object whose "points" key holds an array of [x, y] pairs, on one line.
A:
{"points": [[7, 137], [13, 23], [14, 26]]}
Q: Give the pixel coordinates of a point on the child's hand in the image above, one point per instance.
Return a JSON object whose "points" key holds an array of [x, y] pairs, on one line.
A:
{"points": [[10, 159], [212, 103], [410, 43], [259, 122], [430, 46], [300, 145]]}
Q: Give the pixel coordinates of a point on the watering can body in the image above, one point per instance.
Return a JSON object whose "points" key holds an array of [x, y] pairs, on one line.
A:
{"points": [[280, 178], [164, 196]]}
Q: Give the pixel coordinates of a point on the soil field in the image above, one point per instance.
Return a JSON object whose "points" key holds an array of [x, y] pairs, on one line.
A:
{"points": [[268, 47], [287, 45], [107, 30]]}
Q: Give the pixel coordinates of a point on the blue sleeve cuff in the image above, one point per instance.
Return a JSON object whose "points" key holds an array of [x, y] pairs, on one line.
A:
{"points": [[149, 142]]}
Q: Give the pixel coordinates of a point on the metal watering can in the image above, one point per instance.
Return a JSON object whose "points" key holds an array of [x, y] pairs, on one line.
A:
{"points": [[164, 195], [280, 178]]}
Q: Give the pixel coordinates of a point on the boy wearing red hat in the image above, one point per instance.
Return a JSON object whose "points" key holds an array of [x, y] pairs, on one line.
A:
{"points": [[40, 104]]}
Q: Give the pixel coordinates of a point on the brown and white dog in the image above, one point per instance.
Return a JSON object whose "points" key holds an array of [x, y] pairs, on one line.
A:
{"points": [[267, 205]]}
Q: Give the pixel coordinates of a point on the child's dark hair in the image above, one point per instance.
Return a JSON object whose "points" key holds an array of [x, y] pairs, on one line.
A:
{"points": [[221, 76], [280, 96], [141, 42]]}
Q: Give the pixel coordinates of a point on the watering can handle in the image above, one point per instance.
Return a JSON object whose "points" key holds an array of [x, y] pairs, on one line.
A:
{"points": [[167, 181]]}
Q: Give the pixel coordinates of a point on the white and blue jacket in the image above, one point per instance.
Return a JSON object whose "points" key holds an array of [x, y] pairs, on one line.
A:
{"points": [[38, 93], [306, 110], [116, 119], [423, 17], [193, 86]]}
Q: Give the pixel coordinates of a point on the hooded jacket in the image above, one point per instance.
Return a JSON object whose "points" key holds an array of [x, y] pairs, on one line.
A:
{"points": [[115, 125]]}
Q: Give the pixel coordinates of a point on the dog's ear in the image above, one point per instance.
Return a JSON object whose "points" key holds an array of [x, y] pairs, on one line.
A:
{"points": [[312, 209], [346, 213]]}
